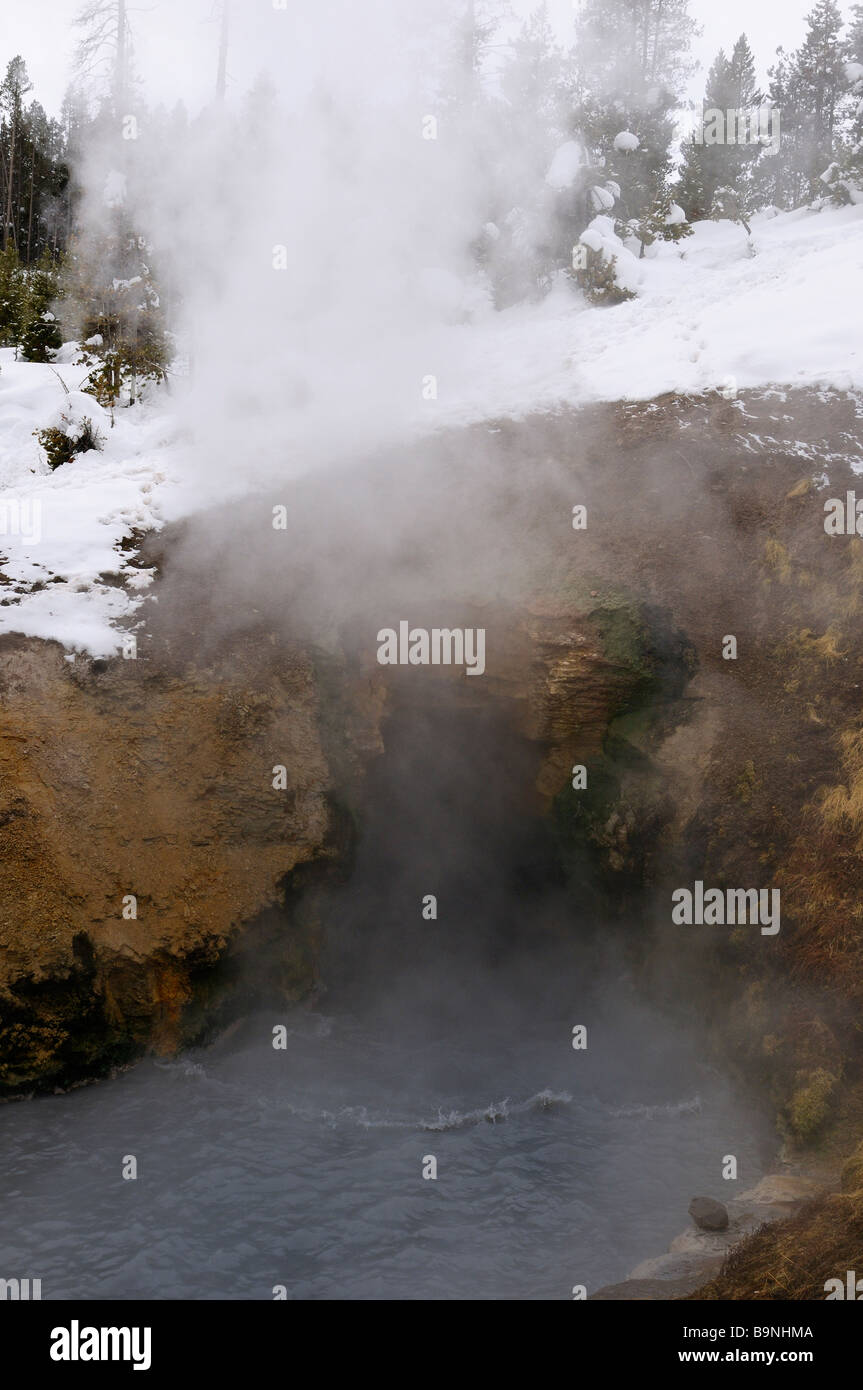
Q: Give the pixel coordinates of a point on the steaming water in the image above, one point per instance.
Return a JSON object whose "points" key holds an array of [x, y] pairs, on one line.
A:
{"points": [[453, 1039], [302, 1167]]}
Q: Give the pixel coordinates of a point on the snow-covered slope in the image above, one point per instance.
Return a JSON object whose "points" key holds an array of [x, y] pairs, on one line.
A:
{"points": [[60, 531], [709, 315]]}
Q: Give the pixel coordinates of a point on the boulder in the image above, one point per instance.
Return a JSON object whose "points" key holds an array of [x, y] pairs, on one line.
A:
{"points": [[708, 1214]]}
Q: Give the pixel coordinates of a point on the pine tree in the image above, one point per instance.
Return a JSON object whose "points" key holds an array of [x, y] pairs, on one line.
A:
{"points": [[820, 80], [113, 299], [599, 280], [516, 249], [666, 221], [11, 297], [28, 298], [120, 324], [475, 28], [747, 100], [701, 171], [16, 84], [810, 89], [746, 94], [632, 59], [844, 177], [730, 162], [44, 183], [34, 173], [777, 181], [39, 333], [530, 83]]}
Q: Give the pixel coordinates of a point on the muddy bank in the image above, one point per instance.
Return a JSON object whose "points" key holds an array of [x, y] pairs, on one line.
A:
{"points": [[169, 823], [138, 833]]}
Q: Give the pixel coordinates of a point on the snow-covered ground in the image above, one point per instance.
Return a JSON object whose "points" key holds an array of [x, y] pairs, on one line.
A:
{"points": [[708, 315], [66, 525]]}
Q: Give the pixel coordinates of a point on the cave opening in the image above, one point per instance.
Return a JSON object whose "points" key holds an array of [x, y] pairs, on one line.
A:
{"points": [[456, 874]]}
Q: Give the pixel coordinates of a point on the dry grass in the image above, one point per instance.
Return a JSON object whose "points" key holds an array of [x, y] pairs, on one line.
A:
{"points": [[777, 558], [792, 1260], [822, 883], [841, 808]]}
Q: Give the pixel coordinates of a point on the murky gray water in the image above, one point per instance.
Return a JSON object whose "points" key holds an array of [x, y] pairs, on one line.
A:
{"points": [[451, 1039], [303, 1167]]}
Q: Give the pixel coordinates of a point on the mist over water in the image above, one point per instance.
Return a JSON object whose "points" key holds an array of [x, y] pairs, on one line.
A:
{"points": [[260, 1167], [303, 1167]]}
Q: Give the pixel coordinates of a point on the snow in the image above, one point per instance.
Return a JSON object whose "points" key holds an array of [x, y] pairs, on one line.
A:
{"points": [[567, 164], [676, 216], [601, 198], [707, 313], [600, 236], [626, 142], [67, 524]]}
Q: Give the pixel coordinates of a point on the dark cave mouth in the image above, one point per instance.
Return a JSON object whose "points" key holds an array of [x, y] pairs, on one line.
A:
{"points": [[452, 860]]}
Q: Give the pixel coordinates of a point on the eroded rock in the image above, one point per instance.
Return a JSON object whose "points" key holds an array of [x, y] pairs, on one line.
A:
{"points": [[708, 1214]]}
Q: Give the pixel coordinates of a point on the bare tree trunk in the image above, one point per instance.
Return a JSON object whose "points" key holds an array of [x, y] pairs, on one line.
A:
{"points": [[8, 223], [4, 187], [30, 213], [120, 74]]}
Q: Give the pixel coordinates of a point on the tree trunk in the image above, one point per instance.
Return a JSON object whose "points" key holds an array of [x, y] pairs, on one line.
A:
{"points": [[30, 213], [8, 222], [3, 193], [120, 76]]}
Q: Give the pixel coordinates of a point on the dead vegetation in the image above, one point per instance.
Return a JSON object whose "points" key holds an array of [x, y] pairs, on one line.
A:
{"points": [[793, 1260]]}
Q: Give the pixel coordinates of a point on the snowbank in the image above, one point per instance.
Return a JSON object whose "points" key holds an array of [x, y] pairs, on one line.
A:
{"points": [[567, 164], [707, 313], [60, 531]]}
